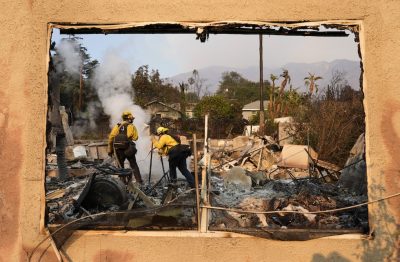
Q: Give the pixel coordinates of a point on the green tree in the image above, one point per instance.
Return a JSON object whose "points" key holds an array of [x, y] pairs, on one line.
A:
{"points": [[147, 86], [142, 89], [224, 114], [235, 87]]}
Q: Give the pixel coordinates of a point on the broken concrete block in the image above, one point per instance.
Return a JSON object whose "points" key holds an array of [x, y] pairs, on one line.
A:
{"points": [[80, 152], [237, 180], [286, 127], [296, 156]]}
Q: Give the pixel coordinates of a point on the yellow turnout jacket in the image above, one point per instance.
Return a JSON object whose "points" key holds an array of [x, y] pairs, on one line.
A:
{"points": [[165, 143], [131, 133]]}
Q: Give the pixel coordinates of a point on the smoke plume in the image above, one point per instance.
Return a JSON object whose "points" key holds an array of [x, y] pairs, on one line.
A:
{"points": [[113, 83], [71, 57]]}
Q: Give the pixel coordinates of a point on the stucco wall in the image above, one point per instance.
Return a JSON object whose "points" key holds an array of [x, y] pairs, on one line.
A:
{"points": [[23, 97]]}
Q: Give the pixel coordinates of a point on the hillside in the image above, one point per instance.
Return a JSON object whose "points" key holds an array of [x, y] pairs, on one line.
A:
{"points": [[297, 72]]}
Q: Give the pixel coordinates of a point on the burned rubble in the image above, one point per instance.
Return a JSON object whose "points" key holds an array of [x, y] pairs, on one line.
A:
{"points": [[104, 189], [261, 177], [253, 181]]}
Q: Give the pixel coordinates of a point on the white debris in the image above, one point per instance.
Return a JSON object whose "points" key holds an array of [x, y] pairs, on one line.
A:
{"points": [[290, 207]]}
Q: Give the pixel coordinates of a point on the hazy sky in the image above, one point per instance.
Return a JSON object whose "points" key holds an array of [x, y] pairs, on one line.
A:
{"points": [[173, 54]]}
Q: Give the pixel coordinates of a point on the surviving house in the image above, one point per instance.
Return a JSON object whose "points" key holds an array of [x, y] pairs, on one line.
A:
{"points": [[252, 108], [172, 111], [162, 110]]}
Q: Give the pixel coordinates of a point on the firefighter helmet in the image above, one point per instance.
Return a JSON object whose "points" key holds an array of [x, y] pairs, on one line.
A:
{"points": [[161, 130], [127, 115]]}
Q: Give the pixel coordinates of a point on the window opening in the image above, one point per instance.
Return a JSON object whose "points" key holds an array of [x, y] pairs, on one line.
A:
{"points": [[300, 149]]}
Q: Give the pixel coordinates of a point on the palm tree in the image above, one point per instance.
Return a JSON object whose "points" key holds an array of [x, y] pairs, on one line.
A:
{"points": [[272, 93], [310, 82], [286, 80]]}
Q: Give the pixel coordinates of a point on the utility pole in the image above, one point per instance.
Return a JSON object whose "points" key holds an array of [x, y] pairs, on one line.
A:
{"points": [[262, 117], [183, 100], [80, 102]]}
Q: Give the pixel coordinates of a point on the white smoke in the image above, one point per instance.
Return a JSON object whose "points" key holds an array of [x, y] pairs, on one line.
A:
{"points": [[71, 61], [93, 113], [112, 80], [70, 53]]}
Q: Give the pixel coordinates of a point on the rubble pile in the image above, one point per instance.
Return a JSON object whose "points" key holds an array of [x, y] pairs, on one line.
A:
{"points": [[62, 198], [287, 195], [247, 177], [105, 189], [263, 159], [259, 175]]}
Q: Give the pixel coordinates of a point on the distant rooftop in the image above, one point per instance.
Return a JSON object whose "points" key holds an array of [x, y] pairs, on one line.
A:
{"points": [[254, 106]]}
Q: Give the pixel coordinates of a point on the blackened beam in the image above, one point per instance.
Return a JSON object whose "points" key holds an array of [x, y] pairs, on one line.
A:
{"points": [[176, 29]]}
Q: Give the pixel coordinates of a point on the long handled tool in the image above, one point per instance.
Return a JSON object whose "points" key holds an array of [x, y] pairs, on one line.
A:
{"points": [[163, 169], [165, 175], [151, 162]]}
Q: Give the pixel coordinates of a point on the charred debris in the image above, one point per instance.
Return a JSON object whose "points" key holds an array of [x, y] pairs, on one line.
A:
{"points": [[246, 176]]}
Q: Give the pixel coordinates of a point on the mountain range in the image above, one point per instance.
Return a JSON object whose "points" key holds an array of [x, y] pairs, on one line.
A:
{"points": [[297, 72]]}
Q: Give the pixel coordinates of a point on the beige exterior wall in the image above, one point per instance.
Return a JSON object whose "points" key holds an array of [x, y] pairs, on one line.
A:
{"points": [[23, 95]]}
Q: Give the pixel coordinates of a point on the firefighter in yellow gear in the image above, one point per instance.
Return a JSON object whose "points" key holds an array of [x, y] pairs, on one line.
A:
{"points": [[121, 142], [166, 142], [177, 154]]}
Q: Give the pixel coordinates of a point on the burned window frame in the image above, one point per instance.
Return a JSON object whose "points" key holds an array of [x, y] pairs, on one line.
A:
{"points": [[202, 31]]}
